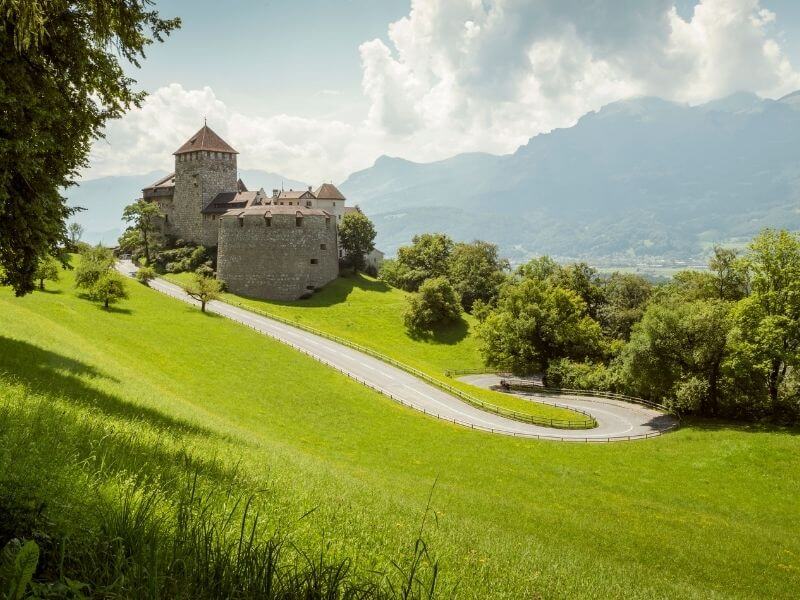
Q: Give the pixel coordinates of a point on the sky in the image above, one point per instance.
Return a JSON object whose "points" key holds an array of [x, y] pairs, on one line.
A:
{"points": [[317, 89]]}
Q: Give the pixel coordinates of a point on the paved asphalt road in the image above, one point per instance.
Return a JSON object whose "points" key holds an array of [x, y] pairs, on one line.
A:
{"points": [[618, 420]]}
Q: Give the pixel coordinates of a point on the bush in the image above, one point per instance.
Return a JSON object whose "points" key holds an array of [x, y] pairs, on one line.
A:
{"points": [[565, 373], [689, 395], [436, 303], [183, 257], [145, 274]]}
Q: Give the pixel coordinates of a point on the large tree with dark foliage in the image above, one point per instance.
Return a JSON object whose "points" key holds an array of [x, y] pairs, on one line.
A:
{"points": [[61, 79]]}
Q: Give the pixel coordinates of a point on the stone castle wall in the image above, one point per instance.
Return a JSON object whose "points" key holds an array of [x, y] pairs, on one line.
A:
{"points": [[272, 259], [199, 177]]}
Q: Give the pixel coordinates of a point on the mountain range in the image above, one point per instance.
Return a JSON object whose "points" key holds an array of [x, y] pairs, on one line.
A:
{"points": [[637, 180]]}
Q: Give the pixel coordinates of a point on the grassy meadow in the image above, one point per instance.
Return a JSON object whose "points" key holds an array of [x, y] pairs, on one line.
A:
{"points": [[369, 312], [102, 410]]}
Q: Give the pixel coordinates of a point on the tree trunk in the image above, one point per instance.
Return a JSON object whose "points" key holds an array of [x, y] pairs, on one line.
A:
{"points": [[773, 381], [105, 303], [713, 391], [146, 246], [41, 284], [202, 306]]}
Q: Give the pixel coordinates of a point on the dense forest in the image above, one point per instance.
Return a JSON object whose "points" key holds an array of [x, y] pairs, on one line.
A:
{"points": [[723, 342]]}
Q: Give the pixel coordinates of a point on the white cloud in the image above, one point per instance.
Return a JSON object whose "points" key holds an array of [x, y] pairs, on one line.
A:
{"points": [[479, 75], [296, 147], [475, 75]]}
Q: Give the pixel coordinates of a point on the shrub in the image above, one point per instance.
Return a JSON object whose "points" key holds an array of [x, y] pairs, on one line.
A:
{"points": [[689, 395], [565, 373], [436, 303], [145, 274], [184, 257]]}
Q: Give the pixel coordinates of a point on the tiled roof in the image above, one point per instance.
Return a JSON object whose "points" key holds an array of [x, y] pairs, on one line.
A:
{"points": [[328, 191], [271, 209], [241, 186], [225, 201], [205, 139], [294, 194], [164, 182]]}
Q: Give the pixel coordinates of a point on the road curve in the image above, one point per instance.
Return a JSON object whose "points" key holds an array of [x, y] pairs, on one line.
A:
{"points": [[615, 422]]}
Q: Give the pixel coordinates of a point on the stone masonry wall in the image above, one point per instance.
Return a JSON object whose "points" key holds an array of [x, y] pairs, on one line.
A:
{"points": [[199, 177], [274, 262]]}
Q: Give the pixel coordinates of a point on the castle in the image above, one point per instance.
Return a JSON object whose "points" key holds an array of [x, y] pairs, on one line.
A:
{"points": [[280, 246]]}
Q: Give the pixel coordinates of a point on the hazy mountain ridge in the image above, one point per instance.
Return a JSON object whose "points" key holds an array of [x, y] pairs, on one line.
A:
{"points": [[638, 178]]}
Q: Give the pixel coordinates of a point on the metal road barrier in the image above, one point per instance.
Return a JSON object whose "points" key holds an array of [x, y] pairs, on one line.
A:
{"points": [[587, 423], [456, 392]]}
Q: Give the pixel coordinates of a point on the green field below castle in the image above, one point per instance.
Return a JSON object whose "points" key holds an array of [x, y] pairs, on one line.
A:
{"points": [[369, 312], [94, 402]]}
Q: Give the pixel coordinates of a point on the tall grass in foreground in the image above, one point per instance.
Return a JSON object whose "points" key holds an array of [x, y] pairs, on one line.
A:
{"points": [[114, 516]]}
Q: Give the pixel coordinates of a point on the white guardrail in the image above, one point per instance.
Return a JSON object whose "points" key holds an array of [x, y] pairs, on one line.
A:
{"points": [[456, 392]]}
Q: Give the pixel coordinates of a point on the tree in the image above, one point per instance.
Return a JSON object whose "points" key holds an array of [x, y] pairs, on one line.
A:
{"points": [[95, 261], [581, 279], [108, 289], [730, 273], [674, 342], [539, 269], [48, 268], [625, 298], [476, 272], [357, 237], [767, 333], [143, 214], [204, 289], [427, 257], [534, 323], [75, 232], [436, 303], [61, 79]]}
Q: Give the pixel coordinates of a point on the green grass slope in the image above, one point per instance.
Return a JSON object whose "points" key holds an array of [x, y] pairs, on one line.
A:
{"points": [[94, 401], [368, 312]]}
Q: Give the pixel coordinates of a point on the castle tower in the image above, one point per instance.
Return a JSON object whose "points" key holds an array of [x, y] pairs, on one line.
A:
{"points": [[204, 167]]}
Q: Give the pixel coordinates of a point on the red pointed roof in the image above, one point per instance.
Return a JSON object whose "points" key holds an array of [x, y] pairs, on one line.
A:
{"points": [[205, 139], [328, 191]]}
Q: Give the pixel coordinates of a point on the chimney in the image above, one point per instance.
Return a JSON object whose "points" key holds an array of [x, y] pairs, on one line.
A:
{"points": [[274, 193], [309, 188]]}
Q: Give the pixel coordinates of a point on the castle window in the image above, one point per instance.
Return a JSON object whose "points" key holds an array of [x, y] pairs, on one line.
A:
{"points": [[308, 203], [314, 261], [241, 221], [323, 247], [334, 203], [269, 221], [298, 221], [327, 221]]}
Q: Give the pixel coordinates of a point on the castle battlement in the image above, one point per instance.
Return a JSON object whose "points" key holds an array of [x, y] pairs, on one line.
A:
{"points": [[279, 246]]}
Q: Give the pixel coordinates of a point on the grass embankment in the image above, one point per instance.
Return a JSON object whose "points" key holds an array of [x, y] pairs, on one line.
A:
{"points": [[368, 312], [98, 402]]}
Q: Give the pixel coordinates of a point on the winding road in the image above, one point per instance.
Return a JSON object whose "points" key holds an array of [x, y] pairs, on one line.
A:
{"points": [[616, 420]]}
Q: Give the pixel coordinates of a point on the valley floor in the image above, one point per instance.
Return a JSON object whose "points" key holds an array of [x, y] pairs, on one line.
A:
{"points": [[129, 396]]}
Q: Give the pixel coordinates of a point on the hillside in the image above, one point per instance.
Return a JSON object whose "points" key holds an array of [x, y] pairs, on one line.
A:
{"points": [[97, 403], [369, 313], [639, 178], [105, 198]]}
